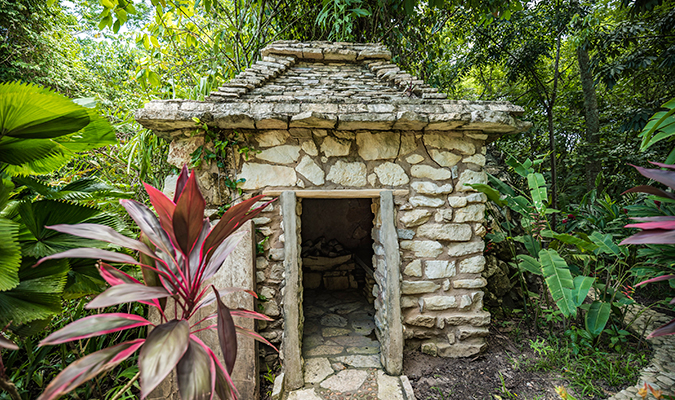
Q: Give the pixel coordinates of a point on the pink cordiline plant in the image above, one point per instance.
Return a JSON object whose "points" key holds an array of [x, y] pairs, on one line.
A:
{"points": [[179, 251]]}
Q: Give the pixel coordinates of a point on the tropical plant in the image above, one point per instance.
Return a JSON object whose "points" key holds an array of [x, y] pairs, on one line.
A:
{"points": [[656, 230], [179, 252], [5, 383], [568, 283], [661, 126]]}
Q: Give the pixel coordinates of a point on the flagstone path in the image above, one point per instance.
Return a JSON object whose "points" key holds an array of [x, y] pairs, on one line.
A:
{"points": [[341, 351]]}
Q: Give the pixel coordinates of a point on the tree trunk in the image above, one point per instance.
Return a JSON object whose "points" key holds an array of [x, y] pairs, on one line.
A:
{"points": [[590, 115]]}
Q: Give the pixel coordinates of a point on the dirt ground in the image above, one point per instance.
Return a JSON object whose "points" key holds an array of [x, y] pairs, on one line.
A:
{"points": [[491, 375]]}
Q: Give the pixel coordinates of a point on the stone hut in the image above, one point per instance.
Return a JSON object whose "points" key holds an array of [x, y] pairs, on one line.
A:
{"points": [[368, 157]]}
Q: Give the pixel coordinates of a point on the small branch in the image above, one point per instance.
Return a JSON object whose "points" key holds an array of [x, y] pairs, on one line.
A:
{"points": [[8, 386]]}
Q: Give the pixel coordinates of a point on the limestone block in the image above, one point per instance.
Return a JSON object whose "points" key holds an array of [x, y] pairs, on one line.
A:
{"points": [[408, 143], [340, 55], [235, 120], [454, 232], [271, 308], [313, 119], [429, 347], [423, 248], [427, 321], [414, 269], [446, 122], [308, 168], [317, 369], [477, 136], [479, 229], [469, 283], [170, 183], [300, 133], [482, 318], [348, 174], [372, 179], [477, 159], [380, 108], [346, 135], [408, 302], [388, 387], [319, 107], [444, 215], [319, 132], [472, 265], [271, 121], [470, 213], [418, 287], [286, 154], [464, 301], [463, 249], [458, 350], [476, 198], [424, 201], [333, 147], [415, 217], [414, 159], [406, 234], [378, 146], [428, 172], [374, 121], [258, 176], [435, 269], [261, 221], [309, 147], [457, 202], [444, 158], [467, 332], [391, 174], [438, 303], [180, 150], [410, 121], [272, 138], [469, 177], [447, 142], [431, 188]]}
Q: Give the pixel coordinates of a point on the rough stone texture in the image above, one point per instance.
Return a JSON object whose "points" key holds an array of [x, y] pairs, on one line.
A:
{"points": [[469, 283], [180, 151], [463, 249], [438, 303], [454, 232], [414, 269], [473, 265], [272, 138], [442, 141], [334, 147], [280, 154], [428, 172], [423, 201], [348, 174], [306, 394], [418, 287], [378, 146], [423, 248], [308, 168], [414, 159], [415, 218], [317, 369], [473, 212], [293, 308], [445, 158], [388, 387], [431, 188], [391, 174], [345, 381], [457, 202], [309, 147], [262, 175], [469, 177], [434, 269]]}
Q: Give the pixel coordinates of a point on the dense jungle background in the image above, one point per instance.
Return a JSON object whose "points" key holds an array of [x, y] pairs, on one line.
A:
{"points": [[589, 74]]}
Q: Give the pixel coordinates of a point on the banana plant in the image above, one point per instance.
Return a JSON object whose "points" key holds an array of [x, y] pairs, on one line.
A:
{"points": [[184, 251]]}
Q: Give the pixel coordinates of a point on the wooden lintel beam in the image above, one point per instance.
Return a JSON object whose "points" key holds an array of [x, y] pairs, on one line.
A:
{"points": [[336, 193]]}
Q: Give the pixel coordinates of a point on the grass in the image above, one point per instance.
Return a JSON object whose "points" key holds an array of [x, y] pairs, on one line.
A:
{"points": [[589, 369]]}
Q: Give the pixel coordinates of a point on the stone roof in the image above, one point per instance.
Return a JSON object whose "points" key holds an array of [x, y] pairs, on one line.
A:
{"points": [[343, 86]]}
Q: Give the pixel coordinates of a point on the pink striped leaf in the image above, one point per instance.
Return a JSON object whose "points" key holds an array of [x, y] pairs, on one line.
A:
{"points": [[659, 175], [163, 348], [657, 279], [95, 325], [180, 183], [105, 234], [7, 344], [662, 165], [227, 334], [211, 296], [654, 219], [650, 190], [240, 312], [188, 217], [226, 247], [652, 236], [196, 373], [224, 388], [668, 224], [254, 335], [96, 254], [149, 225], [115, 276], [164, 208], [667, 329], [127, 293], [88, 367]]}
